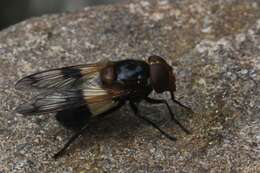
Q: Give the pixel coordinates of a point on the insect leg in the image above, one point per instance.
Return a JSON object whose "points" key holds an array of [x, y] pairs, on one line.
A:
{"points": [[136, 112], [73, 138], [160, 101], [78, 133], [179, 103]]}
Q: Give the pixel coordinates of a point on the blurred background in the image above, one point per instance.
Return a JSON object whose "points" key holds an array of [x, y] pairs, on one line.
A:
{"points": [[13, 11]]}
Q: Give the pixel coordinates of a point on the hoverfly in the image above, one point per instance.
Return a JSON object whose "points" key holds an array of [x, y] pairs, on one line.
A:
{"points": [[82, 93]]}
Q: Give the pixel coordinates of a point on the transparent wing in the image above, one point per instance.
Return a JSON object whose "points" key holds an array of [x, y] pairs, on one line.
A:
{"points": [[61, 78], [97, 100]]}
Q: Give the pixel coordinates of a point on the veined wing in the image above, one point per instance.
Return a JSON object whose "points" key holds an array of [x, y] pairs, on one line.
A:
{"points": [[97, 100], [61, 78]]}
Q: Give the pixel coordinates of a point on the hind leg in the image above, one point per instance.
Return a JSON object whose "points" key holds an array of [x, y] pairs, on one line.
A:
{"points": [[79, 132]]}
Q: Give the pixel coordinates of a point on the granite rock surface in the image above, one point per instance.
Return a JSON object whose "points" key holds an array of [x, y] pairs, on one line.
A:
{"points": [[214, 48]]}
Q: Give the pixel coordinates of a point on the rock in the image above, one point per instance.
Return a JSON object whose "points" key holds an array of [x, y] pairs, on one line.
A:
{"points": [[214, 49]]}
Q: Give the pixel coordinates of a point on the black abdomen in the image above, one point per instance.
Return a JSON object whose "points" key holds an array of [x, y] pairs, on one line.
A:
{"points": [[74, 118]]}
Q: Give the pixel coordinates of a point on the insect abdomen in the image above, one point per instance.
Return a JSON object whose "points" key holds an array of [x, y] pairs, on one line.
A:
{"points": [[74, 118]]}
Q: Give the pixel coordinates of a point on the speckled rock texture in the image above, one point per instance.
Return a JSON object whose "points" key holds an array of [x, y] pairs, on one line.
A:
{"points": [[214, 48]]}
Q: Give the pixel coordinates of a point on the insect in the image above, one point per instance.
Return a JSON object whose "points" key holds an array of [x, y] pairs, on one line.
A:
{"points": [[85, 93]]}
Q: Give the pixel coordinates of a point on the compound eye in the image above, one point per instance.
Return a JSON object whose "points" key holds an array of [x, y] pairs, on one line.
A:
{"points": [[159, 73]]}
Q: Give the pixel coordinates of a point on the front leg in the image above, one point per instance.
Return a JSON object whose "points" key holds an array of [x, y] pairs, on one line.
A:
{"points": [[136, 113], [180, 104], [161, 101]]}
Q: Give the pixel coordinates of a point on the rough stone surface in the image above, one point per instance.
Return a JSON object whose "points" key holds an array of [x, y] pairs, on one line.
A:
{"points": [[214, 47]]}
